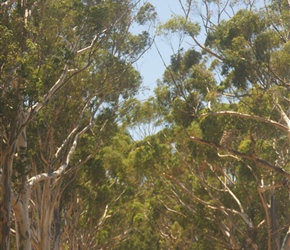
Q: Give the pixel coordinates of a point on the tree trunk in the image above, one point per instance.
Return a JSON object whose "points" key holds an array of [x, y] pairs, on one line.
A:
{"points": [[286, 242], [6, 202], [276, 235], [46, 217], [57, 227], [21, 210]]}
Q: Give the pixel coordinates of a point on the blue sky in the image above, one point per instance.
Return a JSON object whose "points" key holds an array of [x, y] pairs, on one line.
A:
{"points": [[150, 65]]}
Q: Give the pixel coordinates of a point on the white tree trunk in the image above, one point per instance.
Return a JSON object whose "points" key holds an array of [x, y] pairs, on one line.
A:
{"points": [[22, 220], [286, 242], [47, 206]]}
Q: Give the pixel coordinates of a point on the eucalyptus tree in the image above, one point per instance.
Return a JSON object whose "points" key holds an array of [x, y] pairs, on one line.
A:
{"points": [[224, 103], [66, 67]]}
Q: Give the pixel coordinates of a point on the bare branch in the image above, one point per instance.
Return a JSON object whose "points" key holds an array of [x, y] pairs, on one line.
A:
{"points": [[183, 9]]}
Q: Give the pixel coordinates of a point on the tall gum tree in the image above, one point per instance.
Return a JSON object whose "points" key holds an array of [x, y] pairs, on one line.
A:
{"points": [[224, 103], [64, 64]]}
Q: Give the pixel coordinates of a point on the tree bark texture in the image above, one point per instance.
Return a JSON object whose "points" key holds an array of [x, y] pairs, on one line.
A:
{"points": [[286, 242], [22, 220], [5, 202]]}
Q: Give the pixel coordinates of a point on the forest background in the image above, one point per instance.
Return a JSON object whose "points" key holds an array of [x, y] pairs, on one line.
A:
{"points": [[87, 163]]}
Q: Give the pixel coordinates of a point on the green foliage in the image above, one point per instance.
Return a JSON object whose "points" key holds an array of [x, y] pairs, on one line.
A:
{"points": [[146, 13], [185, 83], [184, 61], [184, 187], [205, 189], [246, 42], [73, 60], [179, 24], [280, 61]]}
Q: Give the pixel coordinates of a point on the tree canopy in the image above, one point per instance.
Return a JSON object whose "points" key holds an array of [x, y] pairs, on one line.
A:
{"points": [[209, 168]]}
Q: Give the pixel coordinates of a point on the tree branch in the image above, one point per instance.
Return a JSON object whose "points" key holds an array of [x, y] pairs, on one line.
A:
{"points": [[260, 162], [7, 4], [207, 50], [47, 97], [171, 210], [62, 168], [250, 117], [284, 116], [263, 188], [286, 241], [242, 213], [91, 45]]}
